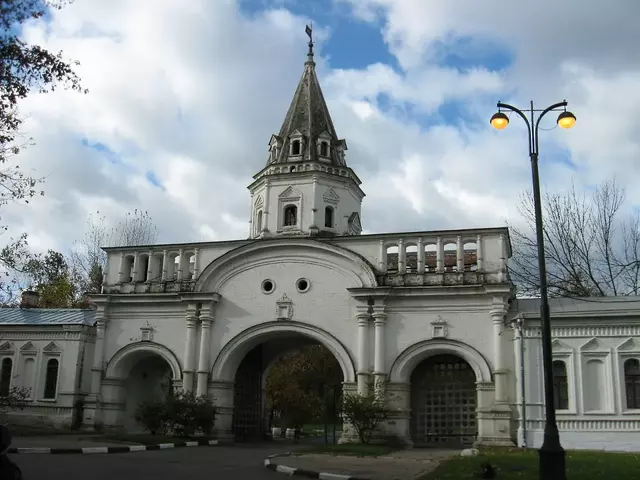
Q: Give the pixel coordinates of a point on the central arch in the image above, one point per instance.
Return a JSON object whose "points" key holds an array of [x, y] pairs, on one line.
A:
{"points": [[229, 358], [244, 363]]}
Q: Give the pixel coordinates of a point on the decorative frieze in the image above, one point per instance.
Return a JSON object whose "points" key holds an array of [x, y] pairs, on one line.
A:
{"points": [[615, 425], [587, 331]]}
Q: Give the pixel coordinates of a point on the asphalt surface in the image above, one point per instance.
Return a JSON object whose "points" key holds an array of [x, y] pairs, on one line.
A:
{"points": [[244, 462]]}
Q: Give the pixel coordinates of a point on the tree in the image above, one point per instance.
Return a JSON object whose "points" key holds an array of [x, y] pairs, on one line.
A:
{"points": [[52, 278], [23, 68], [87, 257], [589, 250], [296, 383]]}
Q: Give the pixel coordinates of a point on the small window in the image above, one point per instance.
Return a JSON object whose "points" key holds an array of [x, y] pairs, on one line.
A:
{"points": [[328, 217], [51, 379], [290, 215], [302, 285], [632, 383], [295, 147], [268, 286], [5, 377], [324, 149], [560, 385]]}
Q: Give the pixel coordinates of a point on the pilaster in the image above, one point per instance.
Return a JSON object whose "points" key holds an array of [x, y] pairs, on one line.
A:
{"points": [[190, 348], [379, 367], [363, 375]]}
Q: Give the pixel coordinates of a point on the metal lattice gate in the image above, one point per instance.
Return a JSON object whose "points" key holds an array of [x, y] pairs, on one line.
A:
{"points": [[443, 402], [248, 419]]}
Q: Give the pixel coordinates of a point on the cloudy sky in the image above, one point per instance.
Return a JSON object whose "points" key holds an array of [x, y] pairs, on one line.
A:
{"points": [[184, 95]]}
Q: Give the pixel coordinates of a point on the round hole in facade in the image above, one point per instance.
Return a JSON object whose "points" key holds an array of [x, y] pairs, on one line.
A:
{"points": [[268, 286], [302, 285]]}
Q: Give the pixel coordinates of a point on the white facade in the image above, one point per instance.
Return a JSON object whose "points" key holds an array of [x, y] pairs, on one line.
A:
{"points": [[433, 313]]}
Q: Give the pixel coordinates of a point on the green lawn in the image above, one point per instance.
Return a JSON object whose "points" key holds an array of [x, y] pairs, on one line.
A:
{"points": [[354, 449], [523, 465]]}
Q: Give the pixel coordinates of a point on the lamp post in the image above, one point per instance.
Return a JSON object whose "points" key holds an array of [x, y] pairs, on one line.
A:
{"points": [[551, 453]]}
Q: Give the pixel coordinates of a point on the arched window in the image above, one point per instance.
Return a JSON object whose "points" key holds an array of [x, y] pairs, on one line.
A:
{"points": [[632, 383], [328, 217], [5, 377], [324, 149], [51, 379], [259, 222], [290, 215], [560, 385], [295, 147]]}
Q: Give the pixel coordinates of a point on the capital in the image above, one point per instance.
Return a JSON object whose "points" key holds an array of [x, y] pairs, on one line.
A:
{"points": [[363, 318], [379, 317], [206, 320], [102, 321]]}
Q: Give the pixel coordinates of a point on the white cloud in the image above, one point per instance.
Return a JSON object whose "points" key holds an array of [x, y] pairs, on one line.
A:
{"points": [[192, 90]]}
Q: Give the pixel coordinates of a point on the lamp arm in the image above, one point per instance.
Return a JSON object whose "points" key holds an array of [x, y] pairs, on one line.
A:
{"points": [[544, 112], [524, 117]]}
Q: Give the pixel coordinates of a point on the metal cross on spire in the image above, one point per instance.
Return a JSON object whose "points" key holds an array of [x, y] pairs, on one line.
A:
{"points": [[309, 31]]}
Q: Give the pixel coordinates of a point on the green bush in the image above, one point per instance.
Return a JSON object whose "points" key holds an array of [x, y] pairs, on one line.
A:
{"points": [[364, 413], [183, 413]]}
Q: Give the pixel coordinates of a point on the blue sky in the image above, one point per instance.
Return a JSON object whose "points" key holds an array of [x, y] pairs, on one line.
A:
{"points": [[184, 96]]}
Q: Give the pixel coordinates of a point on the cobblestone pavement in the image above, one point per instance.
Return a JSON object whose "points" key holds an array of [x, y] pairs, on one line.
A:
{"points": [[402, 465], [199, 463]]}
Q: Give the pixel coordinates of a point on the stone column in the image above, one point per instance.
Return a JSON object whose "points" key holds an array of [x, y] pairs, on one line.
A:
{"points": [[402, 259], [420, 256], [379, 369], [98, 354], [165, 259], [180, 264], [121, 271], [363, 348], [314, 210], [267, 203], [479, 253], [206, 320], [439, 255], [382, 263], [150, 259], [189, 349], [498, 313], [459, 255], [196, 263]]}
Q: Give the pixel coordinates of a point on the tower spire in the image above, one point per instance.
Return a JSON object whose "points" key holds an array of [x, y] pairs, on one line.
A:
{"points": [[309, 31]]}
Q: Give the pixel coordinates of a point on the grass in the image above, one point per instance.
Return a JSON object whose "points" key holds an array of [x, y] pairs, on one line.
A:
{"points": [[146, 439], [354, 449], [522, 464]]}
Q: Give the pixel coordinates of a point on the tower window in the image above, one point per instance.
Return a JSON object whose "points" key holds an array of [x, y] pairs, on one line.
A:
{"points": [[295, 147], [290, 215], [259, 222], [324, 149], [328, 217]]}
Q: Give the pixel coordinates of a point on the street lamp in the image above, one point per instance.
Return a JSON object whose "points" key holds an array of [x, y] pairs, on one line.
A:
{"points": [[551, 454]]}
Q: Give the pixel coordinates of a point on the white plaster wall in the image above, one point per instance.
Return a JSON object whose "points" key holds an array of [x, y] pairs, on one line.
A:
{"points": [[613, 427], [30, 342], [325, 305]]}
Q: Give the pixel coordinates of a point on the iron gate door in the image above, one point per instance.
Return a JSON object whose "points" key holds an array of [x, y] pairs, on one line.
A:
{"points": [[443, 402], [248, 420]]}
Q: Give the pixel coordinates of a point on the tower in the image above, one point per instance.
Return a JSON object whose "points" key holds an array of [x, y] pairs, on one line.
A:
{"points": [[306, 187]]}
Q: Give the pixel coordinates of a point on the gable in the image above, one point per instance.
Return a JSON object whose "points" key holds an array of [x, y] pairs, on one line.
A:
{"points": [[296, 134], [325, 136], [331, 197], [259, 201], [290, 192], [593, 345], [558, 346], [629, 345], [28, 348], [7, 347], [355, 227], [52, 348]]}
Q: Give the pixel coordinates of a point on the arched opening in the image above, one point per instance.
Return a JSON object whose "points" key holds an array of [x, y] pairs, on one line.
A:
{"points": [[192, 267], [127, 270], [5, 376], [450, 257], [392, 258], [324, 149], [470, 256], [290, 215], [145, 375], [443, 402], [560, 385], [328, 217], [295, 147], [632, 383], [173, 264], [51, 379], [142, 267], [289, 382], [430, 257], [411, 258]]}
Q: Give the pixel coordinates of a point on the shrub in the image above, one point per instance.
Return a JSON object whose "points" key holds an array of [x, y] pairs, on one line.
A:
{"points": [[364, 413], [182, 412]]}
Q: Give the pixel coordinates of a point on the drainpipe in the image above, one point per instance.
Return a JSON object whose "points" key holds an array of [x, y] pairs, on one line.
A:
{"points": [[518, 325]]}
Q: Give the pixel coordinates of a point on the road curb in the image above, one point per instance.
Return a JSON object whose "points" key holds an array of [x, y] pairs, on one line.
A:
{"points": [[122, 449], [299, 472]]}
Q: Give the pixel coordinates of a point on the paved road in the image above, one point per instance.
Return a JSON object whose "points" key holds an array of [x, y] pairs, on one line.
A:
{"points": [[242, 462]]}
